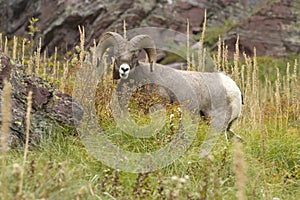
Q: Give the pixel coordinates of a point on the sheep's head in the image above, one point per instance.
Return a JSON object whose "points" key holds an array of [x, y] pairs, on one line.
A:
{"points": [[126, 52]]}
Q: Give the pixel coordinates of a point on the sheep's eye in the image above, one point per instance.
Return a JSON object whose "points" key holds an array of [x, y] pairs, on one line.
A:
{"points": [[134, 58]]}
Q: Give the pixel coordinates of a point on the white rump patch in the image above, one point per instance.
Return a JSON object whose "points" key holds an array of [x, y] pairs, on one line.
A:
{"points": [[234, 95]]}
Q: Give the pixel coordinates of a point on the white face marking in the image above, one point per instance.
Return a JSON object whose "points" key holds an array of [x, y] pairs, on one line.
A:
{"points": [[124, 71]]}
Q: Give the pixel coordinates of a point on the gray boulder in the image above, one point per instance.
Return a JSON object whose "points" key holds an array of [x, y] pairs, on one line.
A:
{"points": [[52, 110]]}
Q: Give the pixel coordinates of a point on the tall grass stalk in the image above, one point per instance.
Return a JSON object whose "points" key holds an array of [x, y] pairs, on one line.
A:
{"points": [[5, 46], [23, 52], [28, 116], [188, 60], [1, 42], [82, 39], [44, 63], [262, 134], [57, 71], [240, 171], [201, 56], [255, 90], [247, 92], [193, 62], [278, 99], [204, 55], [124, 30], [94, 54], [225, 59], [235, 71], [219, 55], [5, 129], [30, 65], [64, 77], [15, 44], [38, 58], [295, 90], [54, 65], [242, 87], [288, 94], [265, 91]]}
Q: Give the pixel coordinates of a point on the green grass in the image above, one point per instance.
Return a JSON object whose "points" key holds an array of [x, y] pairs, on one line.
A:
{"points": [[267, 66], [60, 168]]}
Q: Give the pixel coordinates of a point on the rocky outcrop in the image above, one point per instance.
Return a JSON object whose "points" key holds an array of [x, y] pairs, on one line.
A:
{"points": [[51, 110], [273, 30], [271, 26]]}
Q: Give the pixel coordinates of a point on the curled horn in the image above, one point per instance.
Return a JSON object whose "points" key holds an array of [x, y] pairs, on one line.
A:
{"points": [[145, 42], [110, 39]]}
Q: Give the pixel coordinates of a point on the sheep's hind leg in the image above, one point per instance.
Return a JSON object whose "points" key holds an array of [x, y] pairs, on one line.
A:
{"points": [[232, 134]]}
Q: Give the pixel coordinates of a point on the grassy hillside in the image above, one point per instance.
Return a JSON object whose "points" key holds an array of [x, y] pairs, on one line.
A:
{"points": [[266, 165]]}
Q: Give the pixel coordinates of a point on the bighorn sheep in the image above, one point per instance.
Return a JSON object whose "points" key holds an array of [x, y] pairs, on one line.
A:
{"points": [[218, 97]]}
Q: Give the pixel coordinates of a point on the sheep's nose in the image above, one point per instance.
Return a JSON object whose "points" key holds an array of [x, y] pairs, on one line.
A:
{"points": [[124, 69]]}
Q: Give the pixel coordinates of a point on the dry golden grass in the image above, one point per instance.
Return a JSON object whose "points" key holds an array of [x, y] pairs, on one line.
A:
{"points": [[188, 58], [5, 131], [28, 120], [257, 92], [201, 51], [240, 170]]}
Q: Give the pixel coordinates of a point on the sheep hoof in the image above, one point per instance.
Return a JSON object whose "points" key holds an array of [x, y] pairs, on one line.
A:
{"points": [[232, 134], [239, 138]]}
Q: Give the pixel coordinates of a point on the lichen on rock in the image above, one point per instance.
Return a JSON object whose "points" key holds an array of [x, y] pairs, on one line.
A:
{"points": [[51, 110]]}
